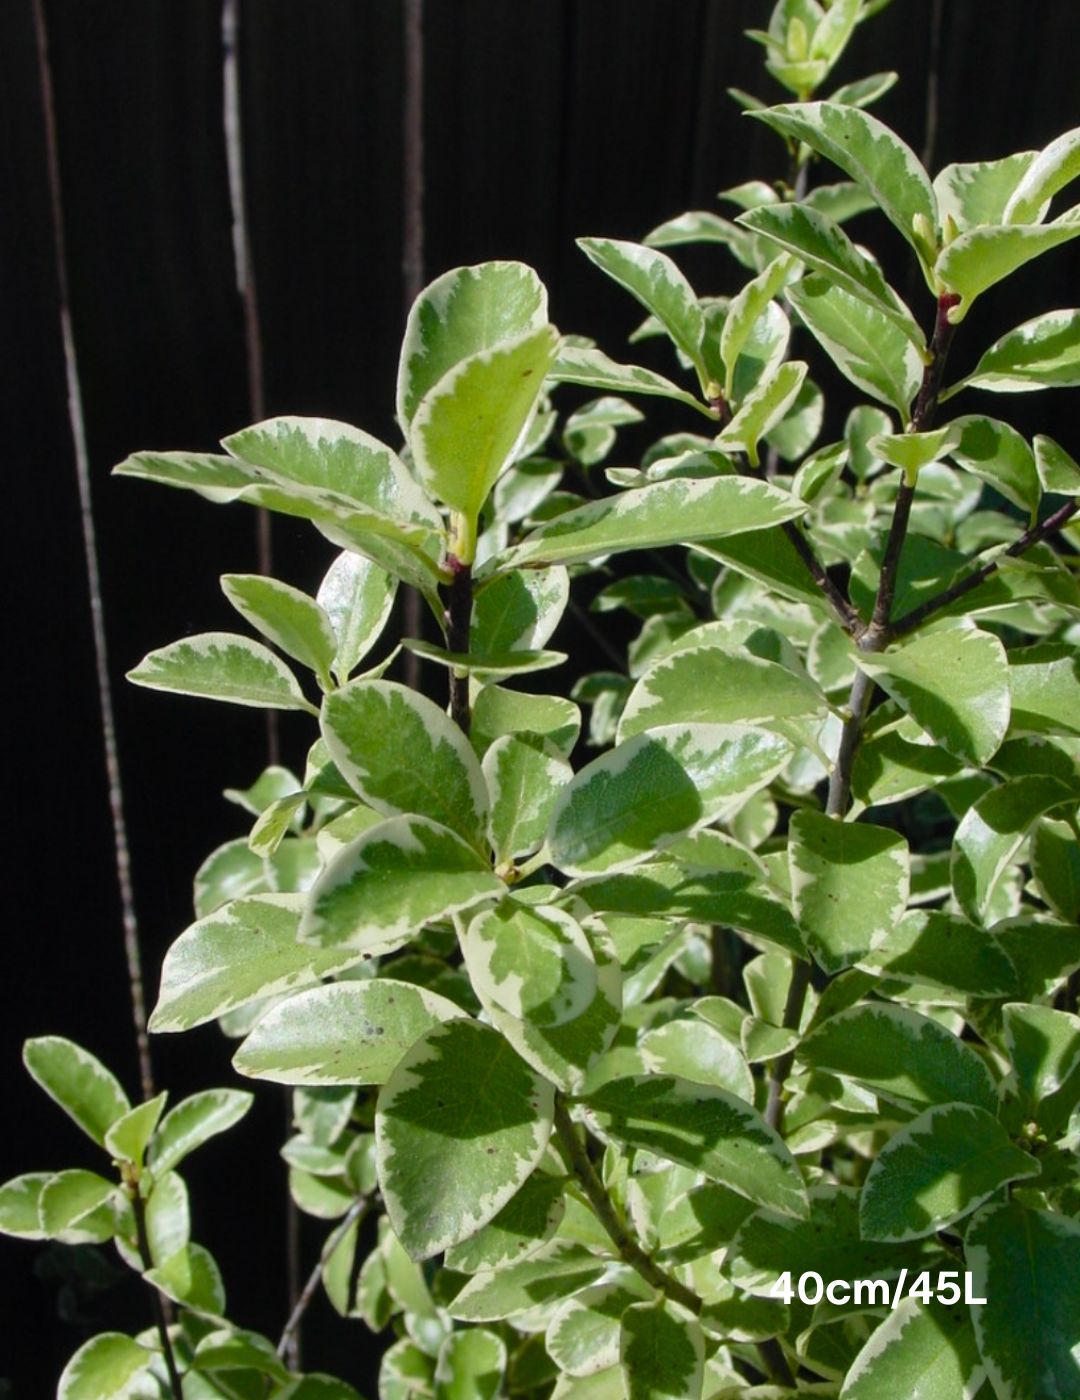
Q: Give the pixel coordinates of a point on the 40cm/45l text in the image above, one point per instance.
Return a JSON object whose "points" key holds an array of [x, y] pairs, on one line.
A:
{"points": [[811, 1288]]}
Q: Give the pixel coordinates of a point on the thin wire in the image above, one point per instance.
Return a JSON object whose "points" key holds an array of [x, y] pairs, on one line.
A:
{"points": [[77, 421]]}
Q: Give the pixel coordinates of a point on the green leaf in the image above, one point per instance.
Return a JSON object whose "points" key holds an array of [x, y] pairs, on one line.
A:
{"points": [[644, 794], [867, 150], [718, 685], [944, 950], [461, 1124], [693, 1050], [763, 409], [498, 711], [976, 193], [1045, 684], [769, 557], [345, 1033], [954, 682], [1044, 1047], [223, 666], [168, 1218], [129, 1136], [1053, 168], [463, 312], [590, 367], [523, 1227], [403, 754], [866, 346], [659, 286], [820, 243], [357, 597], [78, 1207], [534, 964], [906, 1058], [743, 313], [470, 1365], [826, 1241], [665, 512], [1057, 470], [1043, 353], [998, 454], [244, 951], [19, 1199], [195, 1121], [78, 1082], [920, 1350], [936, 1169], [985, 256], [583, 1336], [192, 1278], [849, 882], [212, 476], [1055, 864], [524, 780], [911, 451], [105, 1368], [704, 1128], [229, 1351], [285, 616], [992, 831], [518, 611], [469, 426], [661, 1352], [589, 434], [379, 890], [1026, 1264], [493, 1294]]}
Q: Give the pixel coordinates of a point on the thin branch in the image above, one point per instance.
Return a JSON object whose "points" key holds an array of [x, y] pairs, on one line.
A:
{"points": [[458, 619], [121, 848], [412, 253], [630, 1252], [157, 1302], [1036, 535], [247, 287], [355, 1213], [781, 1067], [933, 72]]}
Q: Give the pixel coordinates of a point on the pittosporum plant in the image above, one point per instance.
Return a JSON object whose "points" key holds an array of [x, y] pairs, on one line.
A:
{"points": [[741, 1058]]}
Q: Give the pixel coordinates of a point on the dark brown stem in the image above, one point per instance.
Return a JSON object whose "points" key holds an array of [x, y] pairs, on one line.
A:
{"points": [[846, 614], [157, 1303], [630, 1252], [1050, 526], [781, 1067], [412, 237], [458, 618], [356, 1212], [121, 848]]}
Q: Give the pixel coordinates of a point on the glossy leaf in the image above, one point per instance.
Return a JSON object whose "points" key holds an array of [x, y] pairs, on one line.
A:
{"points": [[105, 1367], [78, 1082], [518, 611], [287, 617], [499, 711], [129, 1136], [976, 193], [1043, 353], [345, 1033], [954, 682], [494, 1294], [717, 685], [666, 512], [932, 946], [1045, 684], [864, 344], [698, 1052], [222, 666], [1057, 470], [594, 370], [469, 426], [642, 795], [985, 256], [463, 312], [704, 1128], [403, 754], [867, 150], [661, 1352], [583, 1336], [192, 1278], [992, 831], [999, 455], [381, 888], [194, 1121], [1055, 166], [936, 1169], [658, 285], [534, 964], [823, 246], [357, 597], [245, 951], [470, 1365], [763, 409], [744, 312], [1055, 864], [1026, 1264], [461, 1124], [911, 451], [19, 1205], [906, 1058], [849, 882], [78, 1207], [924, 1350], [1044, 1049], [524, 780], [523, 1228]]}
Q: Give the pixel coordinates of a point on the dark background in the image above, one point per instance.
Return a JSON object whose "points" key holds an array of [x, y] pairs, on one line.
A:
{"points": [[543, 121]]}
